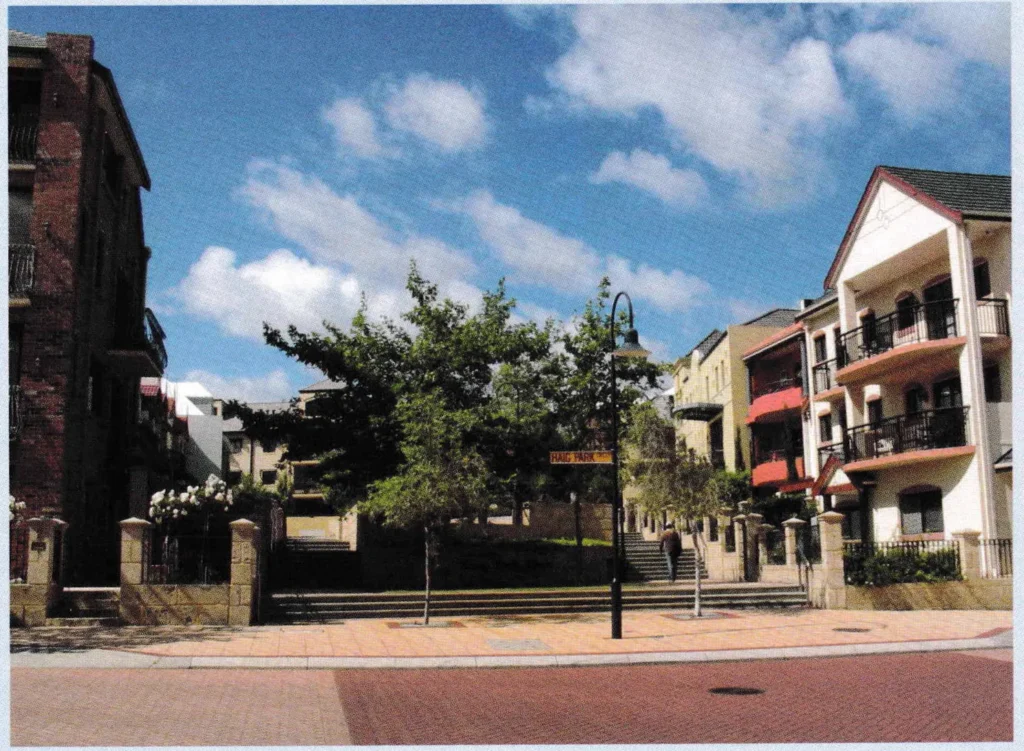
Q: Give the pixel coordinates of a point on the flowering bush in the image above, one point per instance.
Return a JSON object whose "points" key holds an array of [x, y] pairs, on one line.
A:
{"points": [[168, 504], [17, 509]]}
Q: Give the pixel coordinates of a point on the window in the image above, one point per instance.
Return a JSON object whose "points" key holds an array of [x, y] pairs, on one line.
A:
{"points": [[921, 511], [915, 399], [982, 283], [825, 428], [948, 394], [268, 476], [837, 336], [269, 445], [234, 478], [906, 307], [852, 525], [993, 385], [235, 443], [875, 413], [820, 349]]}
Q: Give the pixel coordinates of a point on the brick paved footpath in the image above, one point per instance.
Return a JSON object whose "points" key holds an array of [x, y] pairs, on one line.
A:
{"points": [[937, 697], [644, 632]]}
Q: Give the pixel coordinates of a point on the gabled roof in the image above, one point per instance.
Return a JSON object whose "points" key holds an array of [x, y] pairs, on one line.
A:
{"points": [[707, 344], [325, 385], [774, 317], [955, 195], [21, 40]]}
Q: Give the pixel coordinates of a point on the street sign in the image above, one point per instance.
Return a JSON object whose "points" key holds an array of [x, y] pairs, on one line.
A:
{"points": [[582, 457]]}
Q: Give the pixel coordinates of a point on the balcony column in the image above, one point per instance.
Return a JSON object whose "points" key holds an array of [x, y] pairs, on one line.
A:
{"points": [[972, 383], [970, 552]]}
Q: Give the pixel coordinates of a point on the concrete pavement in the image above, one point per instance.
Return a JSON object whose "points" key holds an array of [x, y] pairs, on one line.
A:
{"points": [[540, 641]]}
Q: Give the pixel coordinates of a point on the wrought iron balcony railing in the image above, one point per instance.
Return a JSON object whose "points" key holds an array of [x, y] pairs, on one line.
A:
{"points": [[22, 131], [932, 429], [771, 387], [14, 414], [993, 317], [913, 323], [824, 375], [21, 268], [827, 451]]}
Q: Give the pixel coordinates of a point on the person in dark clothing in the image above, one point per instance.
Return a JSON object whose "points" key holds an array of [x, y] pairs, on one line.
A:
{"points": [[672, 547]]}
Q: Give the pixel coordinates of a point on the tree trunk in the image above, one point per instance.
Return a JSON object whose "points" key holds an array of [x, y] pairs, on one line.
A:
{"points": [[697, 557], [426, 570]]}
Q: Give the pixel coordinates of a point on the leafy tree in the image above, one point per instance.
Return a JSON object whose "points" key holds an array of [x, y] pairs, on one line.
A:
{"points": [[440, 478], [667, 480], [732, 488]]}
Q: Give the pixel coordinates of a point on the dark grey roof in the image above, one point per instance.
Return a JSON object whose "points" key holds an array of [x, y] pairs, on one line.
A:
{"points": [[830, 297], [708, 343], [985, 195], [23, 40], [325, 385], [780, 317]]}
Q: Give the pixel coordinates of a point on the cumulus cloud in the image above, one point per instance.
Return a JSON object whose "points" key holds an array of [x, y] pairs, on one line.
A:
{"points": [[443, 113], [975, 31], [354, 128], [915, 78], [542, 256], [654, 174], [337, 230], [272, 387], [729, 87]]}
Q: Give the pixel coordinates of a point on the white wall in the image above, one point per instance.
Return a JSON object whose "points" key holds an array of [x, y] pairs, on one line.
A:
{"points": [[956, 478]]}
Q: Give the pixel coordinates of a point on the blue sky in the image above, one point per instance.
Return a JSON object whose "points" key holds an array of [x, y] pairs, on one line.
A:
{"points": [[707, 158]]}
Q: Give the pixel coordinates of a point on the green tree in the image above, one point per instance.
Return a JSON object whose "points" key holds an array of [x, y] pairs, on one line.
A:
{"points": [[669, 481], [440, 478]]}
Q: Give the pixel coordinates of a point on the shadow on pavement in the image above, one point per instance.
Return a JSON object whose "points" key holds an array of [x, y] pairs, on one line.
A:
{"points": [[80, 639]]}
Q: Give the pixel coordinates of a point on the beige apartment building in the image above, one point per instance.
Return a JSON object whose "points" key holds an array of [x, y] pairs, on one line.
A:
{"points": [[711, 391]]}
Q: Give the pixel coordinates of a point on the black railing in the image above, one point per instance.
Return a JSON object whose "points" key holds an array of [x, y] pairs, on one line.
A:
{"points": [[21, 268], [824, 375], [829, 450], [154, 336], [933, 429], [730, 538], [771, 387], [14, 411], [882, 563], [996, 558], [190, 559], [993, 317], [775, 543], [22, 132], [914, 323], [808, 544]]}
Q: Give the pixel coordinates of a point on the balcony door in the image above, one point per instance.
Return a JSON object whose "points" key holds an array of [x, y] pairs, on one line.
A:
{"points": [[716, 441], [940, 312], [948, 424]]}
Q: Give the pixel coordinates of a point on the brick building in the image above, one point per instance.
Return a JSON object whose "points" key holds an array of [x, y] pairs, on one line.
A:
{"points": [[80, 336]]}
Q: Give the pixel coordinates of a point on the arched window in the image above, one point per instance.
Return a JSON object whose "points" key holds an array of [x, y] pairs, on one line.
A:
{"points": [[906, 309], [921, 510]]}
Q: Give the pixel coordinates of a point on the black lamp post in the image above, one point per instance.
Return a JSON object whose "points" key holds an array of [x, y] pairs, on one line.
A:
{"points": [[630, 348]]}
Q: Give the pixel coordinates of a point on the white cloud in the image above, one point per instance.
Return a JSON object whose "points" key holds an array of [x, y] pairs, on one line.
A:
{"points": [[272, 387], [354, 128], [336, 229], [914, 77], [543, 256], [444, 113], [730, 88], [976, 31], [654, 174]]}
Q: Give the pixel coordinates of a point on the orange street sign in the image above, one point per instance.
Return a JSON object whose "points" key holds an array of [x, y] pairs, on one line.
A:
{"points": [[582, 457]]}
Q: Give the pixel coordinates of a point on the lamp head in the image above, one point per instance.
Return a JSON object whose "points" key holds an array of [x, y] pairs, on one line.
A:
{"points": [[631, 346]]}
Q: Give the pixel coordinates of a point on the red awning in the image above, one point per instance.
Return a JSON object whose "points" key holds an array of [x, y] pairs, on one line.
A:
{"points": [[780, 401], [149, 389]]}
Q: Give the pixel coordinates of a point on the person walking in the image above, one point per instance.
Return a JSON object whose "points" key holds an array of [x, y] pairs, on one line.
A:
{"points": [[672, 547]]}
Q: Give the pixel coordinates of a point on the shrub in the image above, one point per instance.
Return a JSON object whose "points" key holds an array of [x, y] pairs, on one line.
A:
{"points": [[902, 567]]}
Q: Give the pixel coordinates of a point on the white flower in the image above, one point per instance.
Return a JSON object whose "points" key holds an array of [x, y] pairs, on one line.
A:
{"points": [[183, 497], [151, 514], [159, 496], [175, 513], [184, 512]]}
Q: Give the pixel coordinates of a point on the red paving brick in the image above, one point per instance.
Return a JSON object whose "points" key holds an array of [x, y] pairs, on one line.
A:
{"points": [[936, 697]]}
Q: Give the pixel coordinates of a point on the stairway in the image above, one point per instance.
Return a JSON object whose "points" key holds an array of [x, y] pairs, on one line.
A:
{"points": [[646, 563], [87, 606], [327, 607]]}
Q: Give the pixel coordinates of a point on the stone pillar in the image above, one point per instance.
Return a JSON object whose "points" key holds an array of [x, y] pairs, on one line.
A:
{"points": [[970, 553], [43, 579], [135, 548], [833, 583], [792, 528], [753, 523], [762, 543], [244, 572]]}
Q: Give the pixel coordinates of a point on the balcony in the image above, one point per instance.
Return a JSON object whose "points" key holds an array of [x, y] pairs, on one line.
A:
{"points": [[14, 414], [908, 439], [903, 338], [697, 411], [772, 469], [774, 399], [21, 270], [22, 132], [823, 376], [140, 351], [993, 317]]}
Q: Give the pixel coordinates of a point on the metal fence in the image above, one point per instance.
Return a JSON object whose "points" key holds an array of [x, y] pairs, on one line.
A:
{"points": [[993, 316], [996, 558], [880, 563], [808, 544], [775, 542], [22, 132], [730, 538], [190, 559], [824, 375], [929, 429]]}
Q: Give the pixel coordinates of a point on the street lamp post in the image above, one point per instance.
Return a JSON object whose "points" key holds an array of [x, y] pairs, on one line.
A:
{"points": [[630, 348]]}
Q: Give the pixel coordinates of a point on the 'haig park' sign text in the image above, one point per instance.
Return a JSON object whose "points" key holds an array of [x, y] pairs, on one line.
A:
{"points": [[582, 457]]}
